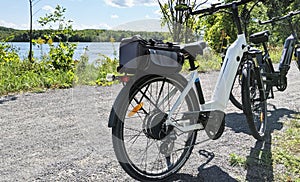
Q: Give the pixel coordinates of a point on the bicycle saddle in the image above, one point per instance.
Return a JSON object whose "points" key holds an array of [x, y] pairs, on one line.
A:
{"points": [[194, 48], [259, 37]]}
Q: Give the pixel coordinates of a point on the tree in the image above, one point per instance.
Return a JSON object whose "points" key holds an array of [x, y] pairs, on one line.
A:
{"points": [[31, 4], [278, 8], [219, 27], [181, 24], [61, 55]]}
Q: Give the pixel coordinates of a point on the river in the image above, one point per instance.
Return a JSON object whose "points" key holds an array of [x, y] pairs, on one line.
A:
{"points": [[94, 50]]}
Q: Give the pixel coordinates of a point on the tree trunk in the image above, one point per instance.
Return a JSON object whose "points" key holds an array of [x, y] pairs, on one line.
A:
{"points": [[30, 33]]}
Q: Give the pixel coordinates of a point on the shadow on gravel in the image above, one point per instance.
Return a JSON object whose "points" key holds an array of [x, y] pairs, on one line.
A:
{"points": [[259, 162], [237, 122], [7, 99], [212, 173]]}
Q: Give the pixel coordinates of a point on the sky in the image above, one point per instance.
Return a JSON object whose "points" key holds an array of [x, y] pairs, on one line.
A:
{"points": [[85, 14]]}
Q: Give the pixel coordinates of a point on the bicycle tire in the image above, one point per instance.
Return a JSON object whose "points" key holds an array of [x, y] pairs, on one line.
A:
{"points": [[298, 58], [164, 158], [235, 93], [267, 78], [254, 107]]}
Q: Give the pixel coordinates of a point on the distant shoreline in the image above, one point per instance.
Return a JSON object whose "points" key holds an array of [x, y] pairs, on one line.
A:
{"points": [[94, 50], [88, 35]]}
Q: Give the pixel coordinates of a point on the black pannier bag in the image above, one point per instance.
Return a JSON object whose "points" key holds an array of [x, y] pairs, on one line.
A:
{"points": [[137, 54]]}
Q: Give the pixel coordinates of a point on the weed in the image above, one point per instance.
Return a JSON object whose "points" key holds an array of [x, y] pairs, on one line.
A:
{"points": [[236, 160]]}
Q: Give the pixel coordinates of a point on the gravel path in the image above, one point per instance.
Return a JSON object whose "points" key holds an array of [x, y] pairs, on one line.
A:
{"points": [[63, 135]]}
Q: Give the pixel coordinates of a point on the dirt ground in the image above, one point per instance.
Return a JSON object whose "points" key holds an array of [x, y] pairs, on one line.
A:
{"points": [[62, 135]]}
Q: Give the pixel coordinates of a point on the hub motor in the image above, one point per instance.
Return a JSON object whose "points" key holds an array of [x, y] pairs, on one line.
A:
{"points": [[155, 127]]}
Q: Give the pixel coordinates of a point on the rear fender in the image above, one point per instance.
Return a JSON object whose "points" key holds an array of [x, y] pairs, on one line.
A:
{"points": [[115, 112]]}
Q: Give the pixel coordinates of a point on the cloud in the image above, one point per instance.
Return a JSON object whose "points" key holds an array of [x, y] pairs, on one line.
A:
{"points": [[147, 2], [114, 16], [95, 26], [7, 24], [149, 25], [48, 8], [119, 3], [130, 3], [17, 26]]}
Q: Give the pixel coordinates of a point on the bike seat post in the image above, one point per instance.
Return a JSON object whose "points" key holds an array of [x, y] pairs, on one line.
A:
{"points": [[265, 48], [192, 63]]}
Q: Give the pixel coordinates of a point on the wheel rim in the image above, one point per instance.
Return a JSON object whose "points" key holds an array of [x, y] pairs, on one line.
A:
{"points": [[152, 148]]}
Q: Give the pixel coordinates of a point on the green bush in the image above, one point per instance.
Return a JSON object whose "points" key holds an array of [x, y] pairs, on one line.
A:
{"points": [[61, 56], [21, 75], [108, 65], [86, 73]]}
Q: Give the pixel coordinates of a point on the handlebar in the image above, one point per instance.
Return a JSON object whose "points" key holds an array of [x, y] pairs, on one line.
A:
{"points": [[289, 15], [216, 7]]}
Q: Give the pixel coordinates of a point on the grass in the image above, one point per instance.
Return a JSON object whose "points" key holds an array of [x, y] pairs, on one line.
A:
{"points": [[286, 151], [95, 73], [14, 78], [19, 75], [209, 61], [86, 73], [275, 53], [258, 157]]}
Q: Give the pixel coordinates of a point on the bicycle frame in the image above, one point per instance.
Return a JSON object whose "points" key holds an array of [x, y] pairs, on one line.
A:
{"points": [[291, 45], [223, 86], [288, 49]]}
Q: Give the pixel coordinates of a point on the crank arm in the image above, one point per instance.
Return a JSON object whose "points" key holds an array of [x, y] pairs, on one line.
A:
{"points": [[186, 128]]}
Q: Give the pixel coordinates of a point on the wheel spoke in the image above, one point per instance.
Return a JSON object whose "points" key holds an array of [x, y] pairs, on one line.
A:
{"points": [[148, 98]]}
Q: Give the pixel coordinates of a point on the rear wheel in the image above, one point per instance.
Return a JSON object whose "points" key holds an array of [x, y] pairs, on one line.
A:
{"points": [[254, 104], [146, 148]]}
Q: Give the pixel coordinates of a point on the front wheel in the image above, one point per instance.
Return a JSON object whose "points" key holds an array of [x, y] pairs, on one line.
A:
{"points": [[235, 94], [146, 148], [254, 102], [298, 57]]}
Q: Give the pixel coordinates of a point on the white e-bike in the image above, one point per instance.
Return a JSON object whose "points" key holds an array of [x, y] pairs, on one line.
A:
{"points": [[155, 117]]}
